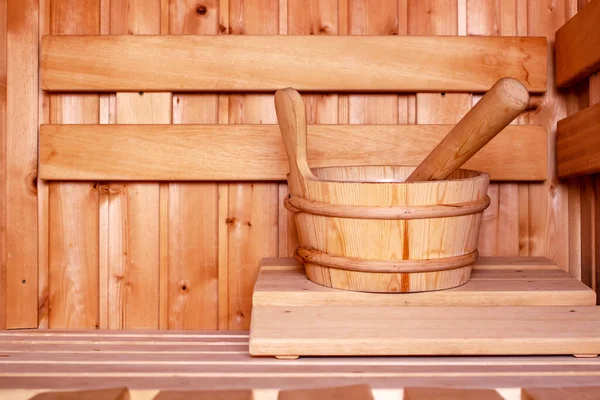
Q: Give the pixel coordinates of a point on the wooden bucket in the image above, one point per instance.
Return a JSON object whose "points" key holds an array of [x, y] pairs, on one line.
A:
{"points": [[361, 228]]}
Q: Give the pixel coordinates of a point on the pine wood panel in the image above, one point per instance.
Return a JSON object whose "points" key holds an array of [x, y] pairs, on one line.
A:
{"points": [[252, 217], [548, 211], [145, 152], [577, 43], [72, 289], [21, 160], [134, 256], [134, 208], [193, 207], [43, 194], [3, 135], [379, 64], [576, 143], [320, 17], [542, 223], [500, 229]]}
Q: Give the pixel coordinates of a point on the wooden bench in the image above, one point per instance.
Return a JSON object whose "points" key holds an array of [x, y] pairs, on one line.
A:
{"points": [[146, 361]]}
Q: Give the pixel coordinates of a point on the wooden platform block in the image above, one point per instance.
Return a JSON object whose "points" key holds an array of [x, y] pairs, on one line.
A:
{"points": [[502, 311], [494, 281]]}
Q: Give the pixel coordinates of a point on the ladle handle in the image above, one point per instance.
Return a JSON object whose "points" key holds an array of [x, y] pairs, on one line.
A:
{"points": [[291, 116], [496, 109]]}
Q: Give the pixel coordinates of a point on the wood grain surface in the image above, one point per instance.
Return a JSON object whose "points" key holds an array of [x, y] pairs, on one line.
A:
{"points": [[506, 281], [145, 361], [552, 219], [577, 42], [255, 63], [146, 152]]}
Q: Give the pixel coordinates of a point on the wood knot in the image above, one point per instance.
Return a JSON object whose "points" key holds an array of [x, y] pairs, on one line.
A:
{"points": [[323, 29], [184, 286], [31, 183], [201, 9], [249, 223], [230, 221], [223, 30]]}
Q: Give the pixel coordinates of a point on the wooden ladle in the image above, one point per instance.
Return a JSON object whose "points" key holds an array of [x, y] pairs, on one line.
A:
{"points": [[497, 108]]}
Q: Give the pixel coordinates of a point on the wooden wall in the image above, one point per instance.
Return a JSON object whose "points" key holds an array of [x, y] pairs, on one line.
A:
{"points": [[185, 255], [584, 192]]}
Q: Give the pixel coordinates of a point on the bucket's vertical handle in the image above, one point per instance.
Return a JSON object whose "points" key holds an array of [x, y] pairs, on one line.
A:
{"points": [[291, 116]]}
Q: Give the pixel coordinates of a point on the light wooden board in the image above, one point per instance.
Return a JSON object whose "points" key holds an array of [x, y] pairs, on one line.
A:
{"points": [[548, 225], [134, 208], [363, 330], [21, 165], [499, 234], [578, 143], [201, 360], [251, 218], [284, 284], [578, 46], [193, 219], [255, 63], [255, 152], [3, 135], [70, 298]]}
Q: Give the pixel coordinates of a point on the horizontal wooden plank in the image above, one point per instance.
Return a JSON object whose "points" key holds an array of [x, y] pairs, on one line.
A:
{"points": [[256, 152], [487, 287], [307, 63], [361, 330], [565, 393], [578, 46], [93, 360], [578, 143]]}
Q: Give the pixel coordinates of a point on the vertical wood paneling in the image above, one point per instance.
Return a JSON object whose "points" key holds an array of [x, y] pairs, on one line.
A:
{"points": [[135, 17], [548, 210], [134, 208], [372, 17], [441, 17], [316, 17], [73, 254], [21, 164], [190, 235], [73, 290], [108, 115], [252, 217], [499, 235], [590, 233], [437, 17], [43, 193], [2, 165], [134, 228], [193, 207]]}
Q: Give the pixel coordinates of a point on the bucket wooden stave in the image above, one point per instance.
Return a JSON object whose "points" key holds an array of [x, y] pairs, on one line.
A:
{"points": [[362, 228]]}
